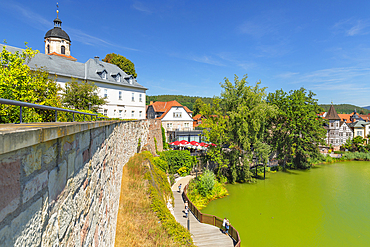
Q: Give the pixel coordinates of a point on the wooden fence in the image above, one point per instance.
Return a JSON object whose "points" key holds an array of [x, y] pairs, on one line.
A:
{"points": [[210, 219]]}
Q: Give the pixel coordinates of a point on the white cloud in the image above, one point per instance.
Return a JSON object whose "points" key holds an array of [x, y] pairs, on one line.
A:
{"points": [[141, 7], [88, 39], [287, 75], [26, 15], [352, 27]]}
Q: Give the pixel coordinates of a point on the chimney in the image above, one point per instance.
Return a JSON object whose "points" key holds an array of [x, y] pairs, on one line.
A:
{"points": [[96, 58]]}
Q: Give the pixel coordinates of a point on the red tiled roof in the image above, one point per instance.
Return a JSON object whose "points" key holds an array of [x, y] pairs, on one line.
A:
{"points": [[165, 107], [62, 55], [345, 117], [197, 117]]}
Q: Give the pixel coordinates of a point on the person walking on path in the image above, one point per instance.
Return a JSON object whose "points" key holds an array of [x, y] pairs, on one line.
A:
{"points": [[186, 205], [227, 226], [224, 225], [179, 188]]}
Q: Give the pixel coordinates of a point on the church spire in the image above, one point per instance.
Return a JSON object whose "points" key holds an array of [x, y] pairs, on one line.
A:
{"points": [[57, 21]]}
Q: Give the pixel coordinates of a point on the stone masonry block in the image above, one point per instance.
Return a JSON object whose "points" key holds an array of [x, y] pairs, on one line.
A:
{"points": [[34, 186], [50, 154], [71, 164], [84, 140], [32, 162], [26, 228], [21, 139], [10, 186], [57, 180], [5, 236], [78, 162]]}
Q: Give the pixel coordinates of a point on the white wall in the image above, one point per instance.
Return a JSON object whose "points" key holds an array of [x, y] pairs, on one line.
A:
{"points": [[115, 105], [170, 115]]}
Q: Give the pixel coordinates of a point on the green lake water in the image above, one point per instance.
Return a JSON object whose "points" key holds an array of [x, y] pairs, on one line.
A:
{"points": [[328, 205]]}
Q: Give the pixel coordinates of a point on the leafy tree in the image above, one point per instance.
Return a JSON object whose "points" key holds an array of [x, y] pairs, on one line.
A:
{"points": [[78, 95], [237, 121], [199, 104], [123, 63], [177, 159], [19, 82], [296, 131]]}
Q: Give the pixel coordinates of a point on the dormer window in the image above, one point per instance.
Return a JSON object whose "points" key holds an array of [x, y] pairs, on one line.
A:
{"points": [[131, 80], [103, 74], [117, 77]]}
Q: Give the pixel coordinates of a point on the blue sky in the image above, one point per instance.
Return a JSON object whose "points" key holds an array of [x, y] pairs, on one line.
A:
{"points": [[189, 47]]}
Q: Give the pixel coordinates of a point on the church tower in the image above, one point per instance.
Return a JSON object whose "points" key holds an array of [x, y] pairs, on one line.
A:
{"points": [[57, 41]]}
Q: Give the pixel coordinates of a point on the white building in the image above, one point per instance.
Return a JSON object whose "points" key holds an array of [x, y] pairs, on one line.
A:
{"points": [[125, 96], [173, 115]]}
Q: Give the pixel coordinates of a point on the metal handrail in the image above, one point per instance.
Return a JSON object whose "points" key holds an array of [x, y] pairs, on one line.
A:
{"points": [[216, 221], [44, 107]]}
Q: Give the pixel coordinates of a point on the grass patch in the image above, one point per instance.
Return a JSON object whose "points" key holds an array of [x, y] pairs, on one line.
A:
{"points": [[143, 218]]}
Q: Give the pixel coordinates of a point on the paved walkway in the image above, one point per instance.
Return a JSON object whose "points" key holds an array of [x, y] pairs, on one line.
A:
{"points": [[203, 234]]}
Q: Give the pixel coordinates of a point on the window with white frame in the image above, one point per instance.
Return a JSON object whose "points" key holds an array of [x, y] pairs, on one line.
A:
{"points": [[118, 78], [103, 75], [120, 95], [177, 114], [120, 113], [186, 125], [114, 113], [133, 97], [169, 125], [105, 93], [105, 112], [140, 98], [359, 133], [132, 113], [125, 113], [140, 113]]}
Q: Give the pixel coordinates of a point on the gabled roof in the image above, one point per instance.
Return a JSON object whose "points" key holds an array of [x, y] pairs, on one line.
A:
{"points": [[358, 124], [165, 107], [332, 114], [345, 117], [197, 117]]}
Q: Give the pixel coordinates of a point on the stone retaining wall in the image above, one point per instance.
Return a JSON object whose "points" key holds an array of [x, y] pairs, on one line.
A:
{"points": [[60, 182]]}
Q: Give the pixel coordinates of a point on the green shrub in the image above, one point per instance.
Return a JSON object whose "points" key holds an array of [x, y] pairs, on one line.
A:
{"points": [[183, 171], [206, 183], [201, 201], [161, 164], [177, 159]]}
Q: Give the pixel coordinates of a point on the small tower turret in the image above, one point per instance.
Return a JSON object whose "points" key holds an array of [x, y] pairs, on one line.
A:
{"points": [[57, 41]]}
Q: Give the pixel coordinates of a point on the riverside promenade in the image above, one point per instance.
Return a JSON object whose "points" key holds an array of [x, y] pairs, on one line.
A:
{"points": [[202, 234]]}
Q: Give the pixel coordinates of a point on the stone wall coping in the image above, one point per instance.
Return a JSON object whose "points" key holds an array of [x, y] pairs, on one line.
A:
{"points": [[17, 136]]}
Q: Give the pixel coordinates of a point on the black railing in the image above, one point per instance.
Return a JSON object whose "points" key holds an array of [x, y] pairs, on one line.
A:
{"points": [[44, 107]]}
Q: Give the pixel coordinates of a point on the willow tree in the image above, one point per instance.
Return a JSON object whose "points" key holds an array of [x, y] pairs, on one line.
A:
{"points": [[238, 122], [296, 131]]}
